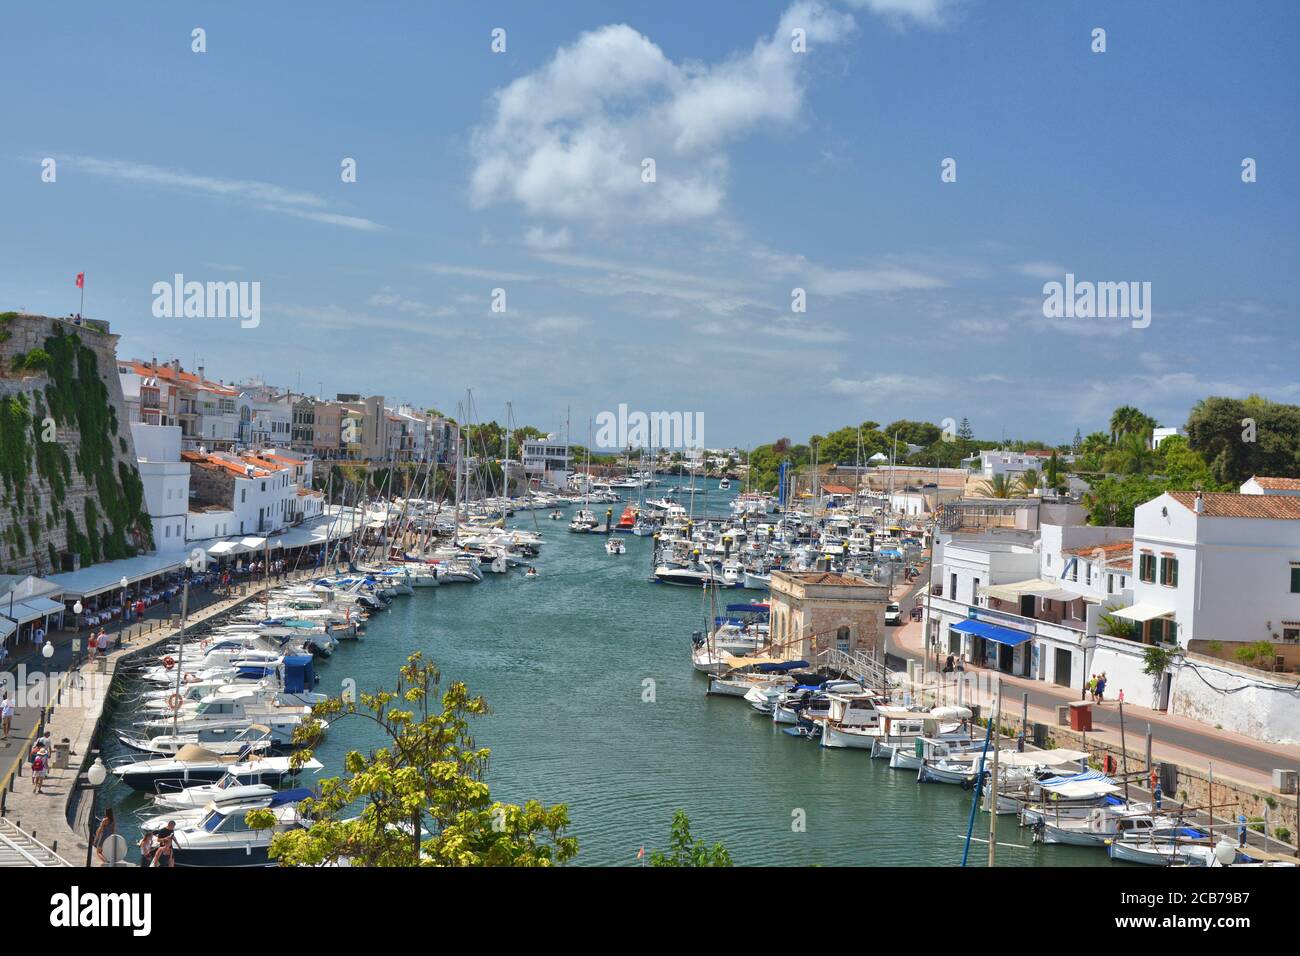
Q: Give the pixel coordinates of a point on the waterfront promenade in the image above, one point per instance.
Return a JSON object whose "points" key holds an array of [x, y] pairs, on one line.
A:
{"points": [[1175, 739], [81, 692]]}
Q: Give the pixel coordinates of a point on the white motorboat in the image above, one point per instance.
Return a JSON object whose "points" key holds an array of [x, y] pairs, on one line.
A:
{"points": [[615, 546], [1162, 852], [193, 765], [223, 838]]}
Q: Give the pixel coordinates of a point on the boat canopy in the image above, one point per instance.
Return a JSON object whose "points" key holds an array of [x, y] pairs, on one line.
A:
{"points": [[193, 753], [747, 608], [295, 795], [950, 713], [299, 674], [991, 632], [781, 667]]}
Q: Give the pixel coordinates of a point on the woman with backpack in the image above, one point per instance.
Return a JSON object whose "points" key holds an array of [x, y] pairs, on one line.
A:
{"points": [[40, 766]]}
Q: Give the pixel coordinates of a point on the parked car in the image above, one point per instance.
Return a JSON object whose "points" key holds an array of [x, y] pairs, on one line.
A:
{"points": [[893, 614]]}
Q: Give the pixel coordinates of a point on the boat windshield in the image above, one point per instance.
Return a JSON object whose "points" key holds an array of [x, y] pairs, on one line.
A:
{"points": [[212, 822]]}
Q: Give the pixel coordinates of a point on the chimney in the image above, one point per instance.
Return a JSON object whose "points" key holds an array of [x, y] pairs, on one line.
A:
{"points": [[1199, 507], [200, 372]]}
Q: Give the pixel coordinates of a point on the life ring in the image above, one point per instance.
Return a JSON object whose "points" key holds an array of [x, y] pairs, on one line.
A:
{"points": [[205, 642], [1108, 764], [174, 702], [169, 662]]}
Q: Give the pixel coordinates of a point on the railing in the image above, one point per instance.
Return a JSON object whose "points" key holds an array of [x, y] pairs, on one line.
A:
{"points": [[864, 667]]}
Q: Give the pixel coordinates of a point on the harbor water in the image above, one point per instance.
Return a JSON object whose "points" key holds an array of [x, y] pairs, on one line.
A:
{"points": [[594, 703]]}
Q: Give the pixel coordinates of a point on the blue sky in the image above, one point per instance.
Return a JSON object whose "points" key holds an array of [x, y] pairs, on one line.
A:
{"points": [[774, 170]]}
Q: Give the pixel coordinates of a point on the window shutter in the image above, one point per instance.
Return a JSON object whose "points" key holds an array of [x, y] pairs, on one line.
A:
{"points": [[1173, 569]]}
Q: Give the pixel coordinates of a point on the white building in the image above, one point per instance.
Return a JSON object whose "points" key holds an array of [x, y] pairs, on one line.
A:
{"points": [[1026, 602], [548, 460], [1013, 464], [1160, 434], [166, 481]]}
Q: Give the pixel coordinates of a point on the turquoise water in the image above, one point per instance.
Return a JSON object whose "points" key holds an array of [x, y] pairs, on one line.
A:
{"points": [[563, 662]]}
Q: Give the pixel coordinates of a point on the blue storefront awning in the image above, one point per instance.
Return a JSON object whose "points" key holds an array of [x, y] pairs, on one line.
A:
{"points": [[1003, 635]]}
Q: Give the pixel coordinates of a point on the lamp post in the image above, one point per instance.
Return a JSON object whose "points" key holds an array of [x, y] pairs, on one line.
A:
{"points": [[121, 621], [95, 776], [47, 651]]}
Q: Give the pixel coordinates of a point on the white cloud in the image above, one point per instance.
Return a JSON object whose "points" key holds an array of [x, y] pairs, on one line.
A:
{"points": [[474, 272], [930, 13], [1041, 270], [889, 386], [538, 238], [260, 195], [568, 140]]}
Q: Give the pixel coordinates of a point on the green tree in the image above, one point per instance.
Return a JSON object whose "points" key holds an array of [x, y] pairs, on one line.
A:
{"points": [[914, 433], [1029, 481], [419, 799], [1130, 455], [999, 486], [964, 431], [1127, 420], [1239, 438], [1111, 501], [686, 850]]}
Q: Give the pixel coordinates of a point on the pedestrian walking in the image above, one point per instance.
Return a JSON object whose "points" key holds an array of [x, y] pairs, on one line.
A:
{"points": [[40, 766], [1101, 688], [102, 643], [6, 713], [107, 827]]}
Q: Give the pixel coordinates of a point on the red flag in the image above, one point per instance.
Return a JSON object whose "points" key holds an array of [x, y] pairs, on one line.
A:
{"points": [[81, 280]]}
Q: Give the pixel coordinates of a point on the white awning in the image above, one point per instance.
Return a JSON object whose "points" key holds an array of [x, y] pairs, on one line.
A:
{"points": [[1013, 592], [98, 578], [7, 627], [226, 547], [1142, 612], [253, 543], [32, 609]]}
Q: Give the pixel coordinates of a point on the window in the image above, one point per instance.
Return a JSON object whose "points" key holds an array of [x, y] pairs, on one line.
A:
{"points": [[1147, 567], [1110, 584], [1169, 572], [975, 591], [1291, 634], [952, 586], [1087, 570], [1295, 579]]}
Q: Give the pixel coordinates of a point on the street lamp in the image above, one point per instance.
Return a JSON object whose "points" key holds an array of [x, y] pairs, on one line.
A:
{"points": [[1225, 853], [121, 621], [47, 651]]}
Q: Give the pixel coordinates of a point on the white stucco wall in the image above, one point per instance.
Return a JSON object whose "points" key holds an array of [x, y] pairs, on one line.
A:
{"points": [[1258, 706]]}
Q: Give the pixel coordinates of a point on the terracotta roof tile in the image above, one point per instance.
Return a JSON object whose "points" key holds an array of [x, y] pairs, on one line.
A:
{"points": [[1277, 484], [1229, 505]]}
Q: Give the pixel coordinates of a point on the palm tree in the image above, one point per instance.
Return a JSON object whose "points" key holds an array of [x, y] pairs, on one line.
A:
{"points": [[1029, 481], [999, 486], [1127, 420], [1131, 455]]}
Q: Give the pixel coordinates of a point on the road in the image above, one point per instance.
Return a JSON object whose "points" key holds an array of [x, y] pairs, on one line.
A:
{"points": [[1197, 747]]}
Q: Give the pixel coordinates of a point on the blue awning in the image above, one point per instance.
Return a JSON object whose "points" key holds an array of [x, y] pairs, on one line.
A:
{"points": [[1003, 635]]}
